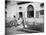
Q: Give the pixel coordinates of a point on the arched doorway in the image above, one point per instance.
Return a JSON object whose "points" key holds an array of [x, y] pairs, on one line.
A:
{"points": [[30, 11]]}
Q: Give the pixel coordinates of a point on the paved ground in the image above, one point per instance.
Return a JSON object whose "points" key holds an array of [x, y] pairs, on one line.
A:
{"points": [[13, 31]]}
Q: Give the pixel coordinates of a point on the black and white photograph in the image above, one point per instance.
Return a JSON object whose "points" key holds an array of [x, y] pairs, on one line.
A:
{"points": [[24, 17]]}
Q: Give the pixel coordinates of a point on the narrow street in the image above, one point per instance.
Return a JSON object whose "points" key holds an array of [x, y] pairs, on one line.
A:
{"points": [[17, 30], [13, 30]]}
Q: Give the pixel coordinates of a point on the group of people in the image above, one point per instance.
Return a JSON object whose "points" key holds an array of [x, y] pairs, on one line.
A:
{"points": [[19, 21]]}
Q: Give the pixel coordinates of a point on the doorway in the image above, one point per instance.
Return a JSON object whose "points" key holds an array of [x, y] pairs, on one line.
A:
{"points": [[30, 11], [20, 14]]}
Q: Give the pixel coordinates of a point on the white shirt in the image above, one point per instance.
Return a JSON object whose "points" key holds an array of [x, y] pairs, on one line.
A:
{"points": [[19, 21]]}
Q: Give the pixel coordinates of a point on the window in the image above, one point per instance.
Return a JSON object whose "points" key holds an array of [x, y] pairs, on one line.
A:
{"points": [[42, 5], [37, 14], [41, 12], [20, 7]]}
